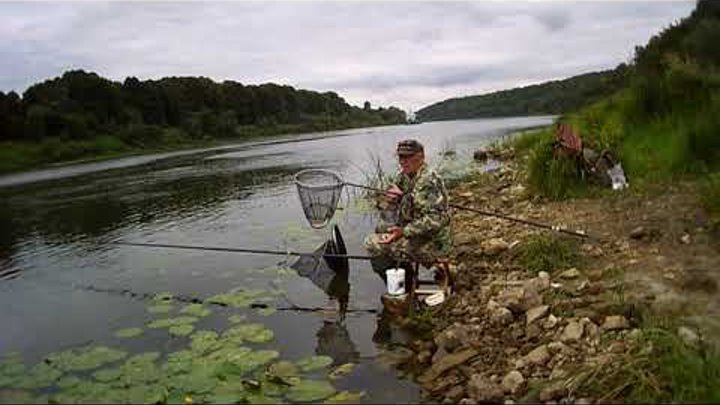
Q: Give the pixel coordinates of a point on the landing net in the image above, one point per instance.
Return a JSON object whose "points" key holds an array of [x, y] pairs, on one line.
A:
{"points": [[319, 192]]}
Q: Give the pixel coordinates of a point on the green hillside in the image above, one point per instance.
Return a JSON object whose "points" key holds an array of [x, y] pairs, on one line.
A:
{"points": [[82, 115], [555, 97], [663, 126]]}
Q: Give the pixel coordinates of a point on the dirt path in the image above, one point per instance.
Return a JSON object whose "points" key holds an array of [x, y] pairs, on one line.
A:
{"points": [[509, 334]]}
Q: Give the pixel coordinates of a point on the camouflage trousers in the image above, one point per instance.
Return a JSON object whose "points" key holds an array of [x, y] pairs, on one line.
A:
{"points": [[400, 252]]}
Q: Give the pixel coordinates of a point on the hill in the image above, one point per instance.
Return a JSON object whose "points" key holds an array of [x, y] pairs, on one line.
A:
{"points": [[554, 97], [83, 115]]}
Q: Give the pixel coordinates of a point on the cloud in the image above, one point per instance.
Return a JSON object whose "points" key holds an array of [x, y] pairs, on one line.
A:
{"points": [[407, 54]]}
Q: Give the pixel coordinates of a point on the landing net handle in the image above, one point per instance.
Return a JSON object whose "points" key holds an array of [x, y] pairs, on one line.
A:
{"points": [[319, 191]]}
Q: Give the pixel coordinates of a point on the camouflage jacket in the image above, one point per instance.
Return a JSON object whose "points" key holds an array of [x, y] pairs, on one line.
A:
{"points": [[424, 212]]}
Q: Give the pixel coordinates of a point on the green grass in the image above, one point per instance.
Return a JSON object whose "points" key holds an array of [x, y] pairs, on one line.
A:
{"points": [[658, 368], [524, 142], [549, 253], [554, 177], [710, 197]]}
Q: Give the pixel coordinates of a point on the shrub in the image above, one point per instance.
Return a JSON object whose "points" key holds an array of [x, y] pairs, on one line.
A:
{"points": [[549, 253], [555, 177]]}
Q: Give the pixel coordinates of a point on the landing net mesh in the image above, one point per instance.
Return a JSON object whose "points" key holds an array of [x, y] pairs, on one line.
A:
{"points": [[319, 192]]}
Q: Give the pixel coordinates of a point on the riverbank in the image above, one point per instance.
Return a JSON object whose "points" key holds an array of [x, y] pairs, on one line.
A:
{"points": [[628, 314], [19, 156]]}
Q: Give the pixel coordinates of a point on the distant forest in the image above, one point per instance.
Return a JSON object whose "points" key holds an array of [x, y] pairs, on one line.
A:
{"points": [[82, 105], [555, 97]]}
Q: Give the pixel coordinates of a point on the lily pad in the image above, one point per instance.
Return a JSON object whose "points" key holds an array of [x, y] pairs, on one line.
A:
{"points": [[107, 375], [283, 369], [310, 390], [178, 362], [239, 299], [163, 297], [204, 341], [201, 379], [68, 382], [145, 394], [251, 332], [259, 398], [16, 397], [160, 309], [345, 397], [128, 332], [88, 392], [147, 357], [181, 330], [197, 310], [86, 358], [266, 311], [170, 322], [41, 375], [11, 368], [341, 371], [228, 393], [314, 363], [237, 318], [241, 363]]}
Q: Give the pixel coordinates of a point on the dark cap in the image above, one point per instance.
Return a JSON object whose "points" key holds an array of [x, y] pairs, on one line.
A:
{"points": [[409, 147]]}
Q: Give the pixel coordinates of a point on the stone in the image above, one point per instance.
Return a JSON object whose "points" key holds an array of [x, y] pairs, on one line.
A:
{"points": [[550, 322], [557, 347], [591, 330], [553, 392], [685, 239], [446, 363], [615, 322], [499, 314], [538, 356], [452, 338], [616, 347], [455, 393], [439, 354], [513, 382], [494, 247], [570, 274], [688, 336], [480, 155], [573, 332], [482, 389], [538, 284], [533, 330], [543, 278], [536, 313], [638, 233]]}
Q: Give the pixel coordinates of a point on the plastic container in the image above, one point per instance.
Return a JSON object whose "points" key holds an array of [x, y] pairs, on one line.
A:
{"points": [[395, 281]]}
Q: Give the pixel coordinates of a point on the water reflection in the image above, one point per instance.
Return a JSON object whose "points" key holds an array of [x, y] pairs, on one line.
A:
{"points": [[333, 340], [93, 209]]}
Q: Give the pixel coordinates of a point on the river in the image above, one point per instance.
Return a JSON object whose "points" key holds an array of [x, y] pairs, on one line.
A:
{"points": [[62, 277]]}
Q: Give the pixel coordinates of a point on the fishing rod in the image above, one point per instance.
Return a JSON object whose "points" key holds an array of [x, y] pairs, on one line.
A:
{"points": [[244, 250], [556, 228]]}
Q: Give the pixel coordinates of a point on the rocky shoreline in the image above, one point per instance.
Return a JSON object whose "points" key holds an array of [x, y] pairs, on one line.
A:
{"points": [[511, 335]]}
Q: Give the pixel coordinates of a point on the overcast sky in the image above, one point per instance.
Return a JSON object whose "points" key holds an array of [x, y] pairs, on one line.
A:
{"points": [[407, 54]]}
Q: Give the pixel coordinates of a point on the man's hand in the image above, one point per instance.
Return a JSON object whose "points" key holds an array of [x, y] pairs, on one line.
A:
{"points": [[394, 233], [393, 193]]}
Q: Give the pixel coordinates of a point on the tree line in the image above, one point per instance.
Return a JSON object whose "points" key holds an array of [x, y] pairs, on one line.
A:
{"points": [[554, 97], [81, 106]]}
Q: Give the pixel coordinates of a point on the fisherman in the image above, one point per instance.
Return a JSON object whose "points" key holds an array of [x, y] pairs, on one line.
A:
{"points": [[422, 231]]}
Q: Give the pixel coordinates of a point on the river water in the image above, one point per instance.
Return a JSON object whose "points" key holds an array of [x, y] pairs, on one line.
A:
{"points": [[61, 275]]}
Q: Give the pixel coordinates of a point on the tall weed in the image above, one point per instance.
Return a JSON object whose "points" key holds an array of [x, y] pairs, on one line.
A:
{"points": [[555, 177]]}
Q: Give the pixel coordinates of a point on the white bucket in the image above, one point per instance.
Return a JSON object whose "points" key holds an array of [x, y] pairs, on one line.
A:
{"points": [[395, 281]]}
